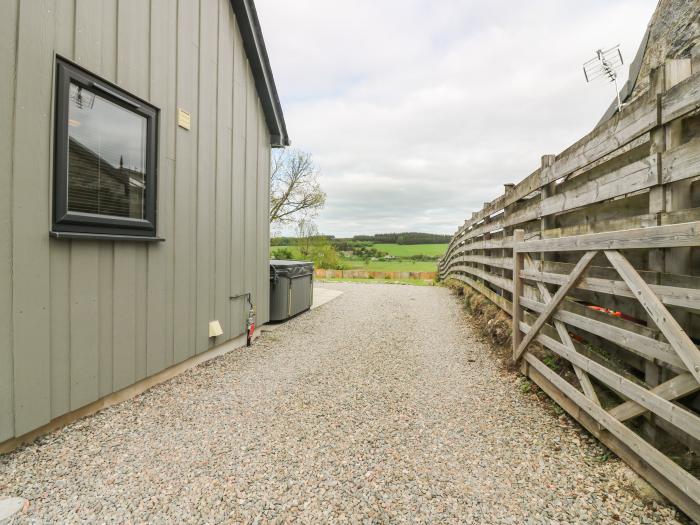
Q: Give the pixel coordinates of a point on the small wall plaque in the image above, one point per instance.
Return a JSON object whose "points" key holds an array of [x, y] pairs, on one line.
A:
{"points": [[183, 118]]}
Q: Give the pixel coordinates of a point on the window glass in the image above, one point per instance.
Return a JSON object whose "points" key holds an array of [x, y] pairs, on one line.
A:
{"points": [[106, 157]]}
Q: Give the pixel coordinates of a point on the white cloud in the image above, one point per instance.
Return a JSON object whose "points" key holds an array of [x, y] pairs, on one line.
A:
{"points": [[417, 111]]}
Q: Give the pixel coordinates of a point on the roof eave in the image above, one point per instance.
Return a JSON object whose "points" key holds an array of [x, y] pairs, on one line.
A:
{"points": [[254, 45]]}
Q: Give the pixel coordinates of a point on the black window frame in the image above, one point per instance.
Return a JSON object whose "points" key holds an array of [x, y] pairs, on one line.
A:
{"points": [[86, 225]]}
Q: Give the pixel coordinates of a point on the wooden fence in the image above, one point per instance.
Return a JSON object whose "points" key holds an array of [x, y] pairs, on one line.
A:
{"points": [[364, 274], [596, 257]]}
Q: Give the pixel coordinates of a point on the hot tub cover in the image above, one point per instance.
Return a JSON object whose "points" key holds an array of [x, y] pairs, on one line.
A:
{"points": [[290, 269]]}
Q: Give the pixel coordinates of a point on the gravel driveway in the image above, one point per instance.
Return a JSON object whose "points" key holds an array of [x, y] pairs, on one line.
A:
{"points": [[381, 406]]}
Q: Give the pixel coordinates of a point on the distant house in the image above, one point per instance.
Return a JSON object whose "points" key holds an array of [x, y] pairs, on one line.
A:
{"points": [[97, 187], [134, 196]]}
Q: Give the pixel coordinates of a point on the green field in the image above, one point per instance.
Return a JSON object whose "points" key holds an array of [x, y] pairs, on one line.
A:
{"points": [[402, 251], [397, 250], [406, 250]]}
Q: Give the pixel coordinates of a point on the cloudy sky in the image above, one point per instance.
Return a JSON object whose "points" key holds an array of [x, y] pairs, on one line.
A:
{"points": [[417, 111]]}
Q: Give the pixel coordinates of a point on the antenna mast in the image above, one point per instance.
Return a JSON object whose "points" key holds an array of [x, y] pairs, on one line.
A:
{"points": [[605, 65]]}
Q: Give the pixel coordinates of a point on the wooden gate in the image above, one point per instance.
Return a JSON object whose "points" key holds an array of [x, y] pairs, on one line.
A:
{"points": [[677, 351]]}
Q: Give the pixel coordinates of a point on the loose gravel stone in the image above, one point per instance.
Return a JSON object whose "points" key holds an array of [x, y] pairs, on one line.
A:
{"points": [[382, 406]]}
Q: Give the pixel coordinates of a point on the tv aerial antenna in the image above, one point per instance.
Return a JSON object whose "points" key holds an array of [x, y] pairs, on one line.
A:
{"points": [[82, 98], [605, 65]]}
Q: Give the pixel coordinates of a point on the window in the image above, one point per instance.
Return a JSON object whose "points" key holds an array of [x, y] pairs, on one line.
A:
{"points": [[105, 159]]}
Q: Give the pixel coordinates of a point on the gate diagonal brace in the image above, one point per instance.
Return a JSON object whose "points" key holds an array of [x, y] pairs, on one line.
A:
{"points": [[582, 376], [574, 277], [676, 336], [679, 386]]}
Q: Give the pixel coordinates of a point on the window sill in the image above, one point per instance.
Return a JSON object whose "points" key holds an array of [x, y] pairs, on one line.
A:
{"points": [[103, 237]]}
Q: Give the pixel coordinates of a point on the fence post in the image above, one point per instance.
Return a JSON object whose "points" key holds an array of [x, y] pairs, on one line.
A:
{"points": [[507, 188], [518, 259], [657, 205], [547, 222]]}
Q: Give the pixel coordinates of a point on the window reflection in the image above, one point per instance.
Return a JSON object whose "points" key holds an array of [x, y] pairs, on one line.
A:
{"points": [[106, 157]]}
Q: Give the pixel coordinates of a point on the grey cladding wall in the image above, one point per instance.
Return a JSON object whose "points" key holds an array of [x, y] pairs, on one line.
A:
{"points": [[82, 319]]}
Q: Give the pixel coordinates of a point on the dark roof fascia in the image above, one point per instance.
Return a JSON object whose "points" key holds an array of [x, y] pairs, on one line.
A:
{"points": [[254, 44]]}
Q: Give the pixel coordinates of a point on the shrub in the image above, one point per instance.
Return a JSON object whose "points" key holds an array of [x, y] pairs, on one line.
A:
{"points": [[367, 252], [322, 253], [282, 253]]}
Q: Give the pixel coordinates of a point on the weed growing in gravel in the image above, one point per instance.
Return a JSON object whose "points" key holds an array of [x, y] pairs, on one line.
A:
{"points": [[526, 386], [557, 409], [552, 362], [604, 457]]}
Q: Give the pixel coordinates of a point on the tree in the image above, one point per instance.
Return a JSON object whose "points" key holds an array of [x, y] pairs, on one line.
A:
{"points": [[306, 236], [315, 247], [295, 192]]}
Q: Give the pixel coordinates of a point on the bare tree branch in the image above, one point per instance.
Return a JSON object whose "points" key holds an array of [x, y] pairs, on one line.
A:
{"points": [[295, 192]]}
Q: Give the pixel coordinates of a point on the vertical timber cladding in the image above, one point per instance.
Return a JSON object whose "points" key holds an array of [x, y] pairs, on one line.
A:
{"points": [[8, 33], [80, 319]]}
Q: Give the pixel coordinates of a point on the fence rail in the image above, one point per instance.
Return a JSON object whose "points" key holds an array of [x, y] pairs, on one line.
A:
{"points": [[365, 274], [596, 255]]}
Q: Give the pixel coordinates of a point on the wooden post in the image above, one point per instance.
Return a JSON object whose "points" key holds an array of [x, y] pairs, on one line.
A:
{"points": [[657, 206], [507, 188], [678, 194], [546, 191], [485, 253], [657, 194], [518, 263], [664, 198]]}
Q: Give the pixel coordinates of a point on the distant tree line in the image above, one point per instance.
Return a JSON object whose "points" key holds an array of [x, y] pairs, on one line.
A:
{"points": [[294, 241], [405, 238], [379, 238], [350, 243]]}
